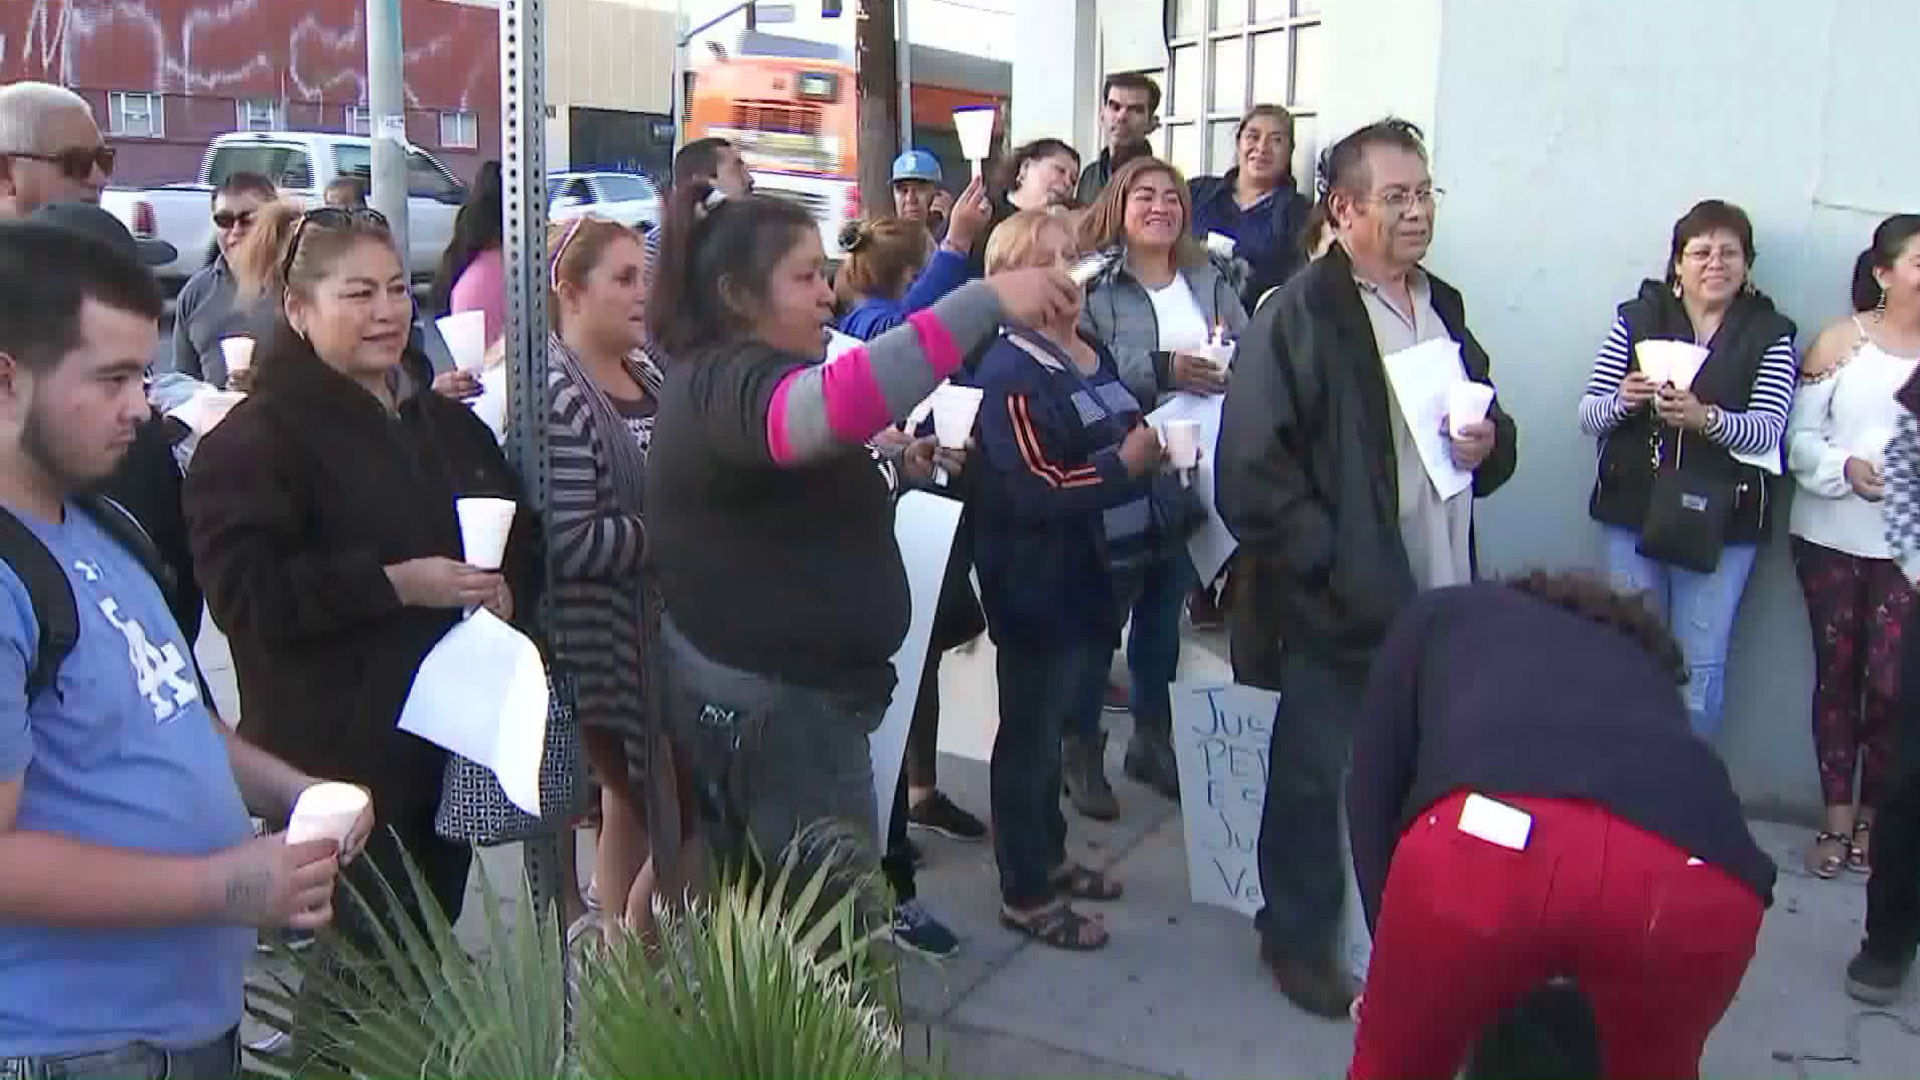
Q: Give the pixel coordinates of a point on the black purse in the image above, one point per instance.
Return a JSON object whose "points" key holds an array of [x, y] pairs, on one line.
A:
{"points": [[1687, 516]]}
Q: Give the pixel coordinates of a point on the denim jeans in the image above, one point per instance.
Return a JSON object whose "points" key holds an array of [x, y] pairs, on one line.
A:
{"points": [[1302, 878], [1037, 691], [217, 1060], [1153, 641], [1090, 699], [1699, 609]]}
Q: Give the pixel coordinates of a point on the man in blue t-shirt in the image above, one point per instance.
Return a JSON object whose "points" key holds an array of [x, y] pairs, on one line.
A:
{"points": [[130, 881]]}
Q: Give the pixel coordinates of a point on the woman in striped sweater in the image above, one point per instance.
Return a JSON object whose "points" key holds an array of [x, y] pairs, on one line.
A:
{"points": [[603, 391], [1721, 436]]}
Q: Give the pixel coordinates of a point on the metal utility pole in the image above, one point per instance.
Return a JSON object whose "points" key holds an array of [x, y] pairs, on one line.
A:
{"points": [[878, 90], [906, 75], [387, 102]]}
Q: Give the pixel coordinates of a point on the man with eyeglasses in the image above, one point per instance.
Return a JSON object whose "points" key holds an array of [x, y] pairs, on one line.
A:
{"points": [[204, 312], [1319, 475], [50, 149]]}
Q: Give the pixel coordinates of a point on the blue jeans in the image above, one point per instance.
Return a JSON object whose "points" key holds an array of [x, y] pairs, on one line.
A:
{"points": [[1153, 641], [1090, 699], [1037, 691], [1699, 610]]}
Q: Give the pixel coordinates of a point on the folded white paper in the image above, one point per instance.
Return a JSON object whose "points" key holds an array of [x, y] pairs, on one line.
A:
{"points": [[491, 405], [205, 409], [1212, 544], [923, 527], [482, 693], [1421, 377]]}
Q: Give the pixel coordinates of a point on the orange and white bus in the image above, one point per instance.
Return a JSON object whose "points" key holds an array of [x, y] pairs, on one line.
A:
{"points": [[796, 122]]}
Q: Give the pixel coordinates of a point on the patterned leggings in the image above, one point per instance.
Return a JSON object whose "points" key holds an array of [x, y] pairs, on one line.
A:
{"points": [[1857, 607]]}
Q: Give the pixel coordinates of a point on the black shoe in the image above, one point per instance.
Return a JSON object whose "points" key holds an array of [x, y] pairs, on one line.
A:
{"points": [[1118, 699], [1874, 980], [937, 813], [1150, 761], [1315, 986]]}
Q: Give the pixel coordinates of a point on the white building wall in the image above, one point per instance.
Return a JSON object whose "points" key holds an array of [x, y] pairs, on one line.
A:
{"points": [[1056, 72], [1569, 135]]}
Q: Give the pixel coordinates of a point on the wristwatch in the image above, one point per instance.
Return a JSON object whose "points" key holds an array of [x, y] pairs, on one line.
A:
{"points": [[1713, 420]]}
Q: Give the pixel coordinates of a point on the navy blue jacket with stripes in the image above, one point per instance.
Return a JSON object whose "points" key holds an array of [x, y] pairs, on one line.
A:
{"points": [[1062, 535]]}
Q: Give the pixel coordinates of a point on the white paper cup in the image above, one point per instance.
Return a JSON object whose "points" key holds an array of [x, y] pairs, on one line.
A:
{"points": [[484, 525], [465, 333], [1222, 245], [1221, 354], [1653, 360], [1872, 446], [238, 353], [1467, 403], [953, 419], [974, 125], [1687, 362], [1182, 438], [326, 812]]}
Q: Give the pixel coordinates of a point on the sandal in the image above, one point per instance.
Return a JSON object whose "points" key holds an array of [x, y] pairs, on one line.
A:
{"points": [[1085, 883], [1858, 860], [1824, 861], [1057, 925]]}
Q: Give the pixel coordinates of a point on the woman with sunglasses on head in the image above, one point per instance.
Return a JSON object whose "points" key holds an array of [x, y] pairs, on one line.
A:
{"points": [[604, 392], [772, 529], [323, 530]]}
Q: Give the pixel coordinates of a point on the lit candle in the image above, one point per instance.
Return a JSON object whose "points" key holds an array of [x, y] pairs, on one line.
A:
{"points": [[1219, 332]]}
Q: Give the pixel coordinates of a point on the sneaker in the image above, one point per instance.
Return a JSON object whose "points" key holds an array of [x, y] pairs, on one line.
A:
{"points": [[916, 930], [1119, 699], [296, 940], [937, 813], [1874, 980], [273, 1042]]}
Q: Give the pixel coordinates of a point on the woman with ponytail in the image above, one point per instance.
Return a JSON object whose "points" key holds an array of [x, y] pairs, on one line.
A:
{"points": [[770, 521], [1857, 599], [321, 516]]}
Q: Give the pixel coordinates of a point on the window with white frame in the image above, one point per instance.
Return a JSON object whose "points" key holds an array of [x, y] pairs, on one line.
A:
{"points": [[359, 120], [135, 115], [460, 130], [259, 114], [1226, 56]]}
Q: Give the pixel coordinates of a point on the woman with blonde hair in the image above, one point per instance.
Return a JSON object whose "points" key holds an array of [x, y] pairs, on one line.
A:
{"points": [[1063, 533], [603, 393], [1163, 297]]}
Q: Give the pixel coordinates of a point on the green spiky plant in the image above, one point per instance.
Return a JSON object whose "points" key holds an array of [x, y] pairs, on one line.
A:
{"points": [[769, 976]]}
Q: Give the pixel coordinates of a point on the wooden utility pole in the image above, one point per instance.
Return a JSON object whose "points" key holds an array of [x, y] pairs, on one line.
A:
{"points": [[878, 90]]}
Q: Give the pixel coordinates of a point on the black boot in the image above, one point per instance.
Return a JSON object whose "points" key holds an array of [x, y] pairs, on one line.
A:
{"points": [[1085, 768], [1150, 759]]}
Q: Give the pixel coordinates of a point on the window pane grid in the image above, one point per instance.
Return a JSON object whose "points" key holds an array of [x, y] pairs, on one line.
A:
{"points": [[1227, 55]]}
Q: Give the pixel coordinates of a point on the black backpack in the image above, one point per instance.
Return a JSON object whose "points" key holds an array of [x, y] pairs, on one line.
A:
{"points": [[54, 608]]}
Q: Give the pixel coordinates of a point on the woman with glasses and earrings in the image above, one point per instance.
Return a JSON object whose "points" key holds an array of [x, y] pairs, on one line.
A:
{"points": [[1857, 599], [1163, 300], [323, 530], [1688, 401]]}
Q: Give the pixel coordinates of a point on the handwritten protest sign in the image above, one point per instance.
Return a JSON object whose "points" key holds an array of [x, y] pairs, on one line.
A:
{"points": [[1222, 736]]}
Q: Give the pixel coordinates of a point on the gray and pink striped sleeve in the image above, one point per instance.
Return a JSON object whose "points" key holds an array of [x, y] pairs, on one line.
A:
{"points": [[820, 410]]}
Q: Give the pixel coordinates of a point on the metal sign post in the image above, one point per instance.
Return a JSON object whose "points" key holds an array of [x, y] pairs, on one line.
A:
{"points": [[523, 177]]}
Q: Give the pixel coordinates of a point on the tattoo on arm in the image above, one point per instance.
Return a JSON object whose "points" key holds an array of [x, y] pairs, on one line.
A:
{"points": [[247, 890]]}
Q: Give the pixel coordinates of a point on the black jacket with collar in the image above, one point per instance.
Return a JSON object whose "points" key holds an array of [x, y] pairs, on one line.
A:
{"points": [[1306, 475], [296, 503]]}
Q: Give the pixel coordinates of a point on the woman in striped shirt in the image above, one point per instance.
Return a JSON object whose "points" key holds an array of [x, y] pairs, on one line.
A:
{"points": [[1722, 431], [603, 392]]}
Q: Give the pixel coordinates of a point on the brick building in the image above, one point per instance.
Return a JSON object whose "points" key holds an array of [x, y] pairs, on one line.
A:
{"points": [[166, 76]]}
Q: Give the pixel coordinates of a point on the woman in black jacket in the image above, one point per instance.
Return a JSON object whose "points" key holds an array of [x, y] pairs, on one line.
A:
{"points": [[323, 530], [1682, 492]]}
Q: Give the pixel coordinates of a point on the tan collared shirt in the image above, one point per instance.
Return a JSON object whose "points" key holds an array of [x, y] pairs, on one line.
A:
{"points": [[1435, 532]]}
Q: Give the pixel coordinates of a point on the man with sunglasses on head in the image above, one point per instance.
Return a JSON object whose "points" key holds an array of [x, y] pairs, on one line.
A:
{"points": [[204, 312], [50, 149]]}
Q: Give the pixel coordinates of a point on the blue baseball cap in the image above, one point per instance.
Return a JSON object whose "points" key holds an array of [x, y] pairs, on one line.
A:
{"points": [[916, 165]]}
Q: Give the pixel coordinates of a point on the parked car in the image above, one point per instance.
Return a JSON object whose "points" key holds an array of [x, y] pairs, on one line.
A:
{"points": [[302, 163], [629, 198]]}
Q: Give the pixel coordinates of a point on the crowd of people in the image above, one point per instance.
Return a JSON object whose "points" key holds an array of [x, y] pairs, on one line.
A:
{"points": [[731, 424]]}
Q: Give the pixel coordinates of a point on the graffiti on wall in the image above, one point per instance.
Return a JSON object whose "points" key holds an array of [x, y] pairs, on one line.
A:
{"points": [[293, 50]]}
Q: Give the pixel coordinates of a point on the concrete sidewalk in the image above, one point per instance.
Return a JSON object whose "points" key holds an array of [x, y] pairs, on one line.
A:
{"points": [[1180, 993]]}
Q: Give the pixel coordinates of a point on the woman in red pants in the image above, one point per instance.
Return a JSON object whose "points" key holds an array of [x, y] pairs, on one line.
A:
{"points": [[1528, 802]]}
